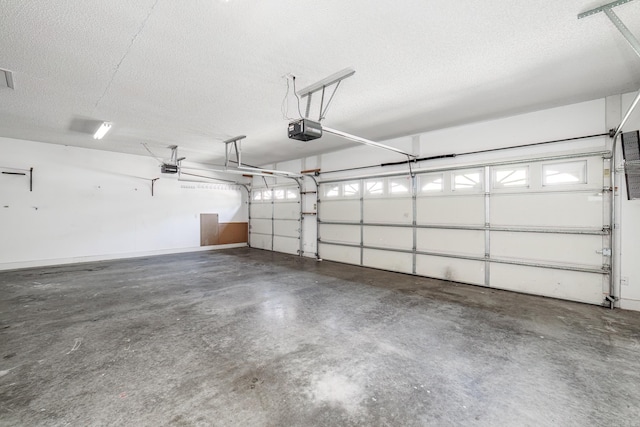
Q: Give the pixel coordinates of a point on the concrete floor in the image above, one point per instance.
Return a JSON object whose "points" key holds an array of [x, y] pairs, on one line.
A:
{"points": [[252, 338]]}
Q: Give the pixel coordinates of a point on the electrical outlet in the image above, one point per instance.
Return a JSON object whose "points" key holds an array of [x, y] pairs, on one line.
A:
{"points": [[624, 281]]}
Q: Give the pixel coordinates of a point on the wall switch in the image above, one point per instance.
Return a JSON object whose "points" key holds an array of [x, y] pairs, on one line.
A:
{"points": [[624, 281]]}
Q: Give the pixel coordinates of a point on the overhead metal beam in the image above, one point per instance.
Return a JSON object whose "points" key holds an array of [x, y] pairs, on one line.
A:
{"points": [[270, 171], [236, 143], [327, 81], [224, 170], [234, 139], [367, 142], [246, 170], [606, 9], [602, 8], [631, 39]]}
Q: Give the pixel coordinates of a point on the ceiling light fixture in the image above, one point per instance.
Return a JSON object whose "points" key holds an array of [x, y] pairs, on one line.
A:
{"points": [[102, 130]]}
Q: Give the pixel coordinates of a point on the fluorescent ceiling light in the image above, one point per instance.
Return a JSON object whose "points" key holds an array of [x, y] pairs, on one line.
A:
{"points": [[102, 130]]}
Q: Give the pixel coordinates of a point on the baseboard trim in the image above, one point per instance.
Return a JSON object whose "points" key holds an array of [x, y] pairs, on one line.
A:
{"points": [[629, 304], [75, 260]]}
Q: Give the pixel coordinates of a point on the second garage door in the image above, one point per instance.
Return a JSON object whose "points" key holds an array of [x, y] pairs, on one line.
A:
{"points": [[275, 219], [536, 227]]}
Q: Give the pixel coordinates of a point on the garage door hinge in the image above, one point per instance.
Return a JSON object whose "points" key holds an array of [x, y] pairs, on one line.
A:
{"points": [[606, 268], [604, 252]]}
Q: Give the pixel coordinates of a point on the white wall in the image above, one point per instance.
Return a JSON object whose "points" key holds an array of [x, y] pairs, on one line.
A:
{"points": [[92, 204], [586, 118]]}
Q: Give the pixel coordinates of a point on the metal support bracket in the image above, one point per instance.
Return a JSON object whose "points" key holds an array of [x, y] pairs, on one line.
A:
{"points": [[321, 86], [604, 252], [602, 8], [153, 183], [175, 160], [234, 143], [607, 10]]}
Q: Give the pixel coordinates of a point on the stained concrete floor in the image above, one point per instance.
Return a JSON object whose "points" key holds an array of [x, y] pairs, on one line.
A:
{"points": [[253, 338]]}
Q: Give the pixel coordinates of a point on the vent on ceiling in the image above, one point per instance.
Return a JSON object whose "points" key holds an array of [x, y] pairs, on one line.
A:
{"points": [[6, 79]]}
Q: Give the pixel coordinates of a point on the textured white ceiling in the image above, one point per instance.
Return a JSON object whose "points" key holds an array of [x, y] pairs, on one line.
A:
{"points": [[194, 73]]}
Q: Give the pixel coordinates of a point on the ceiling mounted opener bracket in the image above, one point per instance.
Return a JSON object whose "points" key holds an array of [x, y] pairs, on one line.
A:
{"points": [[234, 143], [607, 9], [629, 37], [321, 86], [175, 160]]}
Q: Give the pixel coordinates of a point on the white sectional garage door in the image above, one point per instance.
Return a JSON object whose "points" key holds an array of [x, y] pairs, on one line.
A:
{"points": [[274, 219], [535, 227]]}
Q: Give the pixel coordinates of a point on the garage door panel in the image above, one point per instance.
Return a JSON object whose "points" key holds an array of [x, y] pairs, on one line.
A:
{"points": [[575, 210], [457, 242], [392, 261], [286, 210], [340, 210], [286, 228], [344, 254], [388, 237], [548, 248], [553, 196], [454, 269], [570, 285], [260, 241], [340, 233], [261, 226], [261, 210], [451, 210], [286, 245], [388, 211]]}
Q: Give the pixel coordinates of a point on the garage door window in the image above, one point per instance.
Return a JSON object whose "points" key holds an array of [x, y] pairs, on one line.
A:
{"points": [[278, 194], [511, 177], [291, 194], [431, 183], [398, 186], [332, 190], [564, 173], [374, 188], [467, 180], [351, 189]]}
